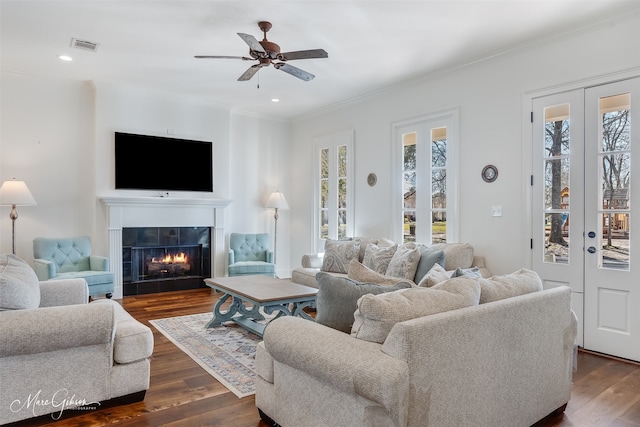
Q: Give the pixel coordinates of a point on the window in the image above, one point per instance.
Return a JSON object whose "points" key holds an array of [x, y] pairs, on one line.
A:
{"points": [[427, 199], [334, 187]]}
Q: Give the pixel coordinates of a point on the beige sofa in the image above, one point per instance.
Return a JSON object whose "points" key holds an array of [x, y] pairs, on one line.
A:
{"points": [[506, 362], [59, 352], [456, 255]]}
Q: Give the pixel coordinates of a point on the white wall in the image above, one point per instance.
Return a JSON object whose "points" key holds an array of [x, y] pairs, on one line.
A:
{"points": [[261, 161], [489, 95], [47, 141]]}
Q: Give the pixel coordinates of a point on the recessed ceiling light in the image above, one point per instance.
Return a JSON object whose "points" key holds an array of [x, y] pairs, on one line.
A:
{"points": [[275, 100], [65, 58]]}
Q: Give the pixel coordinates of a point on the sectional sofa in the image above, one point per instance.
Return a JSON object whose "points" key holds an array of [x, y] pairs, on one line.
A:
{"points": [[467, 351]]}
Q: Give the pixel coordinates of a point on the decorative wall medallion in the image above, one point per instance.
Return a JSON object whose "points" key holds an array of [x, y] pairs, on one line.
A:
{"points": [[372, 179], [489, 173]]}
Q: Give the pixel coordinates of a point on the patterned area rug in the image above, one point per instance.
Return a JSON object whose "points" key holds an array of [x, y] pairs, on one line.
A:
{"points": [[226, 352]]}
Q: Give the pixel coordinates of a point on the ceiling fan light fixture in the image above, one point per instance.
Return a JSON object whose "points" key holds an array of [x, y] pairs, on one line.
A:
{"points": [[266, 52]]}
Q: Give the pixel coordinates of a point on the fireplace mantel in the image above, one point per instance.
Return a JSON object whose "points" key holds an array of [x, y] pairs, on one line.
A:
{"points": [[164, 212], [164, 201]]}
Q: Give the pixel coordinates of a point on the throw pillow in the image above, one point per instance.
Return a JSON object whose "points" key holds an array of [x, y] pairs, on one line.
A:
{"points": [[364, 242], [428, 258], [19, 285], [361, 273], [338, 254], [436, 275], [404, 262], [378, 258], [337, 299], [471, 272], [520, 282], [456, 255], [377, 314]]}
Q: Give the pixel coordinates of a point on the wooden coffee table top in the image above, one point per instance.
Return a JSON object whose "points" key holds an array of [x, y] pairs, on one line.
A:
{"points": [[261, 288]]}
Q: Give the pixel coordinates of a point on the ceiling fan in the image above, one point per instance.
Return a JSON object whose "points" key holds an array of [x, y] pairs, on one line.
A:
{"points": [[267, 53]]}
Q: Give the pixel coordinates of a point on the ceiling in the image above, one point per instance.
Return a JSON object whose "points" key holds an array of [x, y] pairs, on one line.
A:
{"points": [[371, 44]]}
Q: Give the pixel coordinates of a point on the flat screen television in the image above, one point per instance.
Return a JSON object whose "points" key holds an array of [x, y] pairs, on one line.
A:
{"points": [[144, 162]]}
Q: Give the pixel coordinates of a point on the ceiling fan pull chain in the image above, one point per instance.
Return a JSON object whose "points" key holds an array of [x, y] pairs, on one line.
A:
{"points": [[258, 87]]}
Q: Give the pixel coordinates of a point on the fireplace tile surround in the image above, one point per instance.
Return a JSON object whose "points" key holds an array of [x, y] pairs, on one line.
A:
{"points": [[166, 212], [162, 259]]}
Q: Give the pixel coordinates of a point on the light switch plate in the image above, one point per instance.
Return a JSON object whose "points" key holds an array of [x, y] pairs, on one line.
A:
{"points": [[496, 210]]}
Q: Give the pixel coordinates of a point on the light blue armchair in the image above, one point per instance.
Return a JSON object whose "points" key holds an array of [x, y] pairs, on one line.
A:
{"points": [[69, 258], [250, 254]]}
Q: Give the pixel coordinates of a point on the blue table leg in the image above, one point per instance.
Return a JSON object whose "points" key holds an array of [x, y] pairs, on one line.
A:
{"points": [[236, 307]]}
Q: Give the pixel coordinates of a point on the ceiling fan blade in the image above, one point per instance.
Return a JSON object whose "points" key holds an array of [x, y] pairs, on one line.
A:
{"points": [[252, 42], [296, 72], [244, 58], [251, 71], [303, 54]]}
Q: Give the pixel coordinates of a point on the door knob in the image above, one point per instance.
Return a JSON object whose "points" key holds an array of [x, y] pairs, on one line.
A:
{"points": [[592, 234], [591, 250]]}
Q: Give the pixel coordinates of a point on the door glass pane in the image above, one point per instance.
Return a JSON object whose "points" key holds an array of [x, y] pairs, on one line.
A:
{"points": [[558, 224], [439, 189], [615, 241], [409, 186], [342, 161], [615, 176], [439, 185], [324, 193], [439, 226], [342, 224], [439, 147], [324, 225], [342, 193], [409, 230], [557, 152], [324, 163]]}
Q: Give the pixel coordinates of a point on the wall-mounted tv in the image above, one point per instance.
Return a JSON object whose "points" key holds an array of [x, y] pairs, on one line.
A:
{"points": [[144, 162]]}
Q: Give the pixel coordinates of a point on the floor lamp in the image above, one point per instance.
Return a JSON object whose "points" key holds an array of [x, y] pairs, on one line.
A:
{"points": [[15, 193], [276, 201]]}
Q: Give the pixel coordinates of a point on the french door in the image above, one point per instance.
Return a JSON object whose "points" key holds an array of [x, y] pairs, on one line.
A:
{"points": [[586, 173]]}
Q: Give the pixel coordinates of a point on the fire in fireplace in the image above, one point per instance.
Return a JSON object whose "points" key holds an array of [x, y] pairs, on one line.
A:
{"points": [[169, 265]]}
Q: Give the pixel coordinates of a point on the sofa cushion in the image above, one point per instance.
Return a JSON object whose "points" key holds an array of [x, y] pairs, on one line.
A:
{"points": [[361, 273], [436, 275], [378, 258], [338, 254], [19, 285], [428, 258], [520, 282], [377, 314], [404, 262], [471, 272], [337, 299], [457, 255]]}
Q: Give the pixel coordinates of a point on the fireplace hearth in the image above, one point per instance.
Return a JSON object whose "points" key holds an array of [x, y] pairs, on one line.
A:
{"points": [[162, 259]]}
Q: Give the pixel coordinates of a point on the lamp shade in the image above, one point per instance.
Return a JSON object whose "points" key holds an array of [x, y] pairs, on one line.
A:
{"points": [[277, 201], [14, 192]]}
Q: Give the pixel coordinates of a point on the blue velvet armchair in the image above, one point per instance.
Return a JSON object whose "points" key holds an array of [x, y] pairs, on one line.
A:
{"points": [[69, 258], [250, 254]]}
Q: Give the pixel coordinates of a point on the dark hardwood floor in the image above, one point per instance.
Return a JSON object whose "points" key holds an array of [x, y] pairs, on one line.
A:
{"points": [[606, 392]]}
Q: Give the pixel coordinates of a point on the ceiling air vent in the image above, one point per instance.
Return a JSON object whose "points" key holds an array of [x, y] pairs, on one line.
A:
{"points": [[84, 45]]}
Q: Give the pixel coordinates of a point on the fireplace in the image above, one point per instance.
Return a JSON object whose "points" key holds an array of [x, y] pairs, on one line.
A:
{"points": [[161, 259], [122, 212]]}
